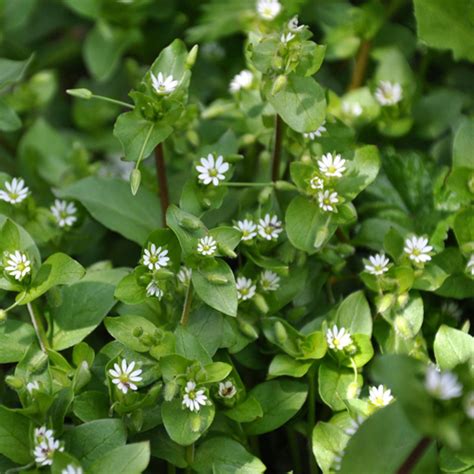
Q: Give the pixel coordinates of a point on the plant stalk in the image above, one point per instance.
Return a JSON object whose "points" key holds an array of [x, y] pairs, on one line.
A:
{"points": [[313, 469], [189, 457], [162, 181], [276, 157], [360, 68], [248, 184], [187, 305], [414, 456], [38, 326]]}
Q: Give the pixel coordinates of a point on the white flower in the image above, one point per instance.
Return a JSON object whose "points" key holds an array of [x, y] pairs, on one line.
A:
{"points": [[388, 93], [332, 166], [242, 80], [338, 339], [32, 386], [155, 257], [328, 200], [293, 25], [353, 109], [248, 229], [268, 9], [42, 434], [153, 289], [269, 227], [245, 288], [227, 389], [124, 376], [18, 265], [417, 249], [450, 308], [378, 264], [470, 265], [207, 245], [442, 385], [469, 405], [70, 469], [316, 133], [16, 191], [184, 275], [380, 396], [64, 212], [286, 38], [316, 183], [162, 85], [354, 426], [193, 399], [44, 451], [212, 170], [269, 281]]}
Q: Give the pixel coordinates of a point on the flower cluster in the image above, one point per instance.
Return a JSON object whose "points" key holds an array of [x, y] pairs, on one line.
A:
{"points": [[268, 228], [45, 445]]}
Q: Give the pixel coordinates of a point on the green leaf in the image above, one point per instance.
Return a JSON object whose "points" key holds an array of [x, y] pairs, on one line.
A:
{"points": [[246, 411], [435, 18], [123, 329], [301, 103], [183, 426], [90, 406], [328, 440], [9, 120], [162, 447], [220, 295], [110, 202], [129, 459], [280, 401], [463, 145], [464, 230], [14, 436], [57, 269], [138, 136], [381, 444], [83, 306], [12, 71], [283, 364], [453, 347], [172, 60], [15, 338], [354, 314], [225, 456], [189, 346], [91, 441]]}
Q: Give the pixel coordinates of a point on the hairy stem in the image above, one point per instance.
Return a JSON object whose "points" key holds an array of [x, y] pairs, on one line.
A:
{"points": [[38, 326], [360, 68], [414, 456], [187, 305], [162, 181], [276, 157]]}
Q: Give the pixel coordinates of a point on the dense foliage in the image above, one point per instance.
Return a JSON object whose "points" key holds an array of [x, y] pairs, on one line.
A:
{"points": [[236, 236]]}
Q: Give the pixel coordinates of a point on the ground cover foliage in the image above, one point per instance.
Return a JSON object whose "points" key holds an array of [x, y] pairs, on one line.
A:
{"points": [[236, 236]]}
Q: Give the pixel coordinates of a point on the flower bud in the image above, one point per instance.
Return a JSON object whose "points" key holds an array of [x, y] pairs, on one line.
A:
{"points": [[137, 331], [14, 382], [384, 302], [402, 299], [148, 340], [247, 329], [192, 55], [402, 327], [195, 422], [80, 93], [281, 333], [3, 316], [260, 303], [189, 223], [217, 279], [171, 389], [226, 250], [135, 180], [353, 390], [279, 84], [284, 186]]}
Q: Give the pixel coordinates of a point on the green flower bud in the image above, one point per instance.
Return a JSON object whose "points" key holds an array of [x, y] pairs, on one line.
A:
{"points": [[247, 329], [14, 382], [80, 93], [192, 55], [261, 303], [190, 223], [3, 316], [284, 186], [227, 251], [402, 299], [279, 84], [195, 422], [137, 331], [403, 328], [281, 333], [171, 389], [384, 302], [135, 180], [217, 279], [148, 340]]}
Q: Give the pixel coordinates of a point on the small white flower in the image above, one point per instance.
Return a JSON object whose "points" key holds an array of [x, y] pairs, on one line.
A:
{"points": [[64, 212], [469, 405], [338, 339], [242, 80], [417, 249], [442, 385], [18, 265], [42, 434], [212, 170], [470, 265], [227, 389], [193, 399], [328, 200], [268, 9], [332, 166], [450, 308], [269, 227], [380, 396], [153, 289], [184, 275], [155, 257], [286, 38], [162, 85], [353, 109], [248, 229], [125, 377], [294, 26], [15, 192], [70, 469], [245, 288], [388, 93], [378, 264], [269, 281], [44, 451], [354, 426], [207, 245], [316, 133], [32, 386], [316, 183]]}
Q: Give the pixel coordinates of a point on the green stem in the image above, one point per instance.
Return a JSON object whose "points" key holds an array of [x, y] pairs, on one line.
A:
{"points": [[276, 157], [38, 325], [189, 457], [295, 450], [187, 305], [171, 468], [311, 417], [145, 143], [162, 181], [112, 101], [248, 184]]}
